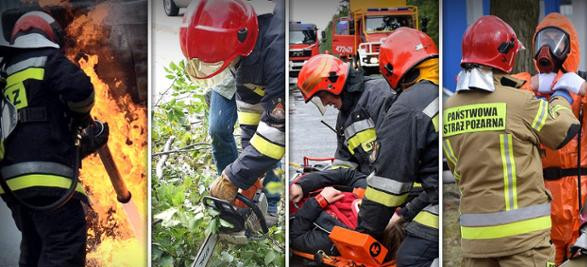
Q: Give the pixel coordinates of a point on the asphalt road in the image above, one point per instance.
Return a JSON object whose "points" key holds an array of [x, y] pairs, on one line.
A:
{"points": [[10, 241], [307, 136]]}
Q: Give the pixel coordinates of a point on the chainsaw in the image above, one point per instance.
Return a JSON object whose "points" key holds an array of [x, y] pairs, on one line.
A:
{"points": [[242, 224]]}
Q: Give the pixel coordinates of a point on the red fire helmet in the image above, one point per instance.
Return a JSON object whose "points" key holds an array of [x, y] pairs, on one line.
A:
{"points": [[214, 33], [402, 50], [35, 22], [322, 72], [490, 42]]}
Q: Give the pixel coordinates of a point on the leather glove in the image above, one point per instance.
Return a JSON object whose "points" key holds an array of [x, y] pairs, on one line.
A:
{"points": [[94, 137]]}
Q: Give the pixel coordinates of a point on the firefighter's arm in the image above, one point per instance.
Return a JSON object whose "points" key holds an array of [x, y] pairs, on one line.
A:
{"points": [[72, 85], [388, 186], [412, 208], [342, 156], [340, 176], [553, 122], [303, 233]]}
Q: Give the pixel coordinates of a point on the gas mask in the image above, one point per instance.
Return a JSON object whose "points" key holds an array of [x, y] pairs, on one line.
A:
{"points": [[552, 46]]}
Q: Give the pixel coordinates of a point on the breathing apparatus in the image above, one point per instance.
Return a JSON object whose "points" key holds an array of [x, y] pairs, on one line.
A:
{"points": [[552, 45]]}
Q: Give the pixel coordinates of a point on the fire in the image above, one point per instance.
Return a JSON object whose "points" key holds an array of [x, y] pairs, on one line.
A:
{"points": [[111, 238]]}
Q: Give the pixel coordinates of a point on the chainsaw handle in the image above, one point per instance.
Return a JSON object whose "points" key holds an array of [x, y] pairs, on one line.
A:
{"points": [[255, 209]]}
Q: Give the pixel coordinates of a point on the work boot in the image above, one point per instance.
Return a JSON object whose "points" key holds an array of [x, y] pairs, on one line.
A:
{"points": [[223, 188]]}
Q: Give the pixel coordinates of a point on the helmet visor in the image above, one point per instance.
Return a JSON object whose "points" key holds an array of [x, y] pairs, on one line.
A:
{"points": [[556, 40], [318, 103], [198, 69]]}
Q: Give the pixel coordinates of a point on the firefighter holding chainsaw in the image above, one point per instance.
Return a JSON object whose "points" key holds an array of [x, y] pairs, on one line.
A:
{"points": [[253, 48], [492, 137], [47, 100], [556, 58]]}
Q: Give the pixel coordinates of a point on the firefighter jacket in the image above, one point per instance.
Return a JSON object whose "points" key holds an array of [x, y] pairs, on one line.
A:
{"points": [[406, 152], [365, 101], [491, 142], [311, 225], [260, 82], [50, 93]]}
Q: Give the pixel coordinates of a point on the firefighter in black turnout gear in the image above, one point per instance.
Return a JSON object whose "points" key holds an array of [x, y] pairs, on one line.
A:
{"points": [[361, 101], [253, 48], [407, 147], [53, 98]]}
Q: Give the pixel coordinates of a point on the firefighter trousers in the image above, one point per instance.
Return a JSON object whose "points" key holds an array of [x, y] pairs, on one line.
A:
{"points": [[542, 256], [51, 238], [417, 252]]}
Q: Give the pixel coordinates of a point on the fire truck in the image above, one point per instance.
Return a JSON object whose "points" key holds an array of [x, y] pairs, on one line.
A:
{"points": [[303, 44], [357, 38]]}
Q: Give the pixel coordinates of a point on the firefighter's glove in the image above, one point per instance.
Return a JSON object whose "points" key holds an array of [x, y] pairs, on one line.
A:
{"points": [[570, 82], [223, 188], [94, 137]]}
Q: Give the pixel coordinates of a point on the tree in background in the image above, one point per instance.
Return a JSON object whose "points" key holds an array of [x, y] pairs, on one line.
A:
{"points": [[523, 19]]}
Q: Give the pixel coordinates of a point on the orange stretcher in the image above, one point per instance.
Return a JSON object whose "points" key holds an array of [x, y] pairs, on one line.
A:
{"points": [[356, 249]]}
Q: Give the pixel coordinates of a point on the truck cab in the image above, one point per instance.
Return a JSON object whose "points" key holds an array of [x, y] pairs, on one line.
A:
{"points": [[358, 37], [303, 44]]}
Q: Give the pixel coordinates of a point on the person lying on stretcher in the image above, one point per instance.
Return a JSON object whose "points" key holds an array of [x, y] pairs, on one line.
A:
{"points": [[321, 200]]}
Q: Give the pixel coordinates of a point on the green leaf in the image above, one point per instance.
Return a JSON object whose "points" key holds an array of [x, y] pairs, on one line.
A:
{"points": [[226, 257], [270, 257], [167, 217], [226, 224], [167, 261]]}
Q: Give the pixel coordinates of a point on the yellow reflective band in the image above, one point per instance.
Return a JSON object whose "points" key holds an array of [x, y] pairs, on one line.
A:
{"points": [[267, 148], [474, 118], [248, 118], [30, 73], [540, 118], [509, 171], [416, 185], [450, 154], [259, 90], [435, 122], [15, 90], [337, 166], [364, 139], [388, 200], [274, 187], [506, 230], [427, 219], [41, 180]]}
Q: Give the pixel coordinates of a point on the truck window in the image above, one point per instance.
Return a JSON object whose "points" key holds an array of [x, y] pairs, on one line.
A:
{"points": [[302, 37], [387, 23], [342, 27]]}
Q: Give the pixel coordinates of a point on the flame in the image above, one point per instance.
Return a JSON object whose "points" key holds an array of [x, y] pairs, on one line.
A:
{"points": [[111, 240]]}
